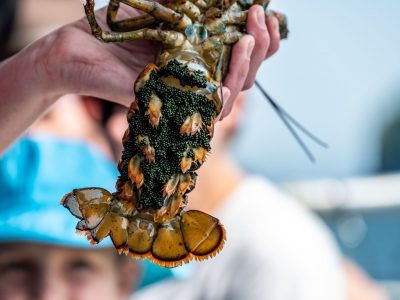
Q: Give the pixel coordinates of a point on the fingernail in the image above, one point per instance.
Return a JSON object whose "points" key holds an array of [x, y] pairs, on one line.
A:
{"points": [[261, 18], [250, 48], [226, 92], [220, 117]]}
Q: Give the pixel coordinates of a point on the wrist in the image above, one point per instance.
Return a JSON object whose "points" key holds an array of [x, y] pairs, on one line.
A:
{"points": [[46, 81], [25, 76], [26, 92]]}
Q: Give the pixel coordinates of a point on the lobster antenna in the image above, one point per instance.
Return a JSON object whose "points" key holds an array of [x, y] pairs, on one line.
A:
{"points": [[286, 117], [297, 137], [303, 129], [279, 108]]}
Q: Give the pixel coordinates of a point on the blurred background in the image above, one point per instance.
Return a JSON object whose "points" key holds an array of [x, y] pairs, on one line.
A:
{"points": [[339, 75]]}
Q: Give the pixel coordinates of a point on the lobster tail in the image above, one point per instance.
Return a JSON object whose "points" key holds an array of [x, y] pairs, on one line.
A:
{"points": [[100, 214], [188, 235]]}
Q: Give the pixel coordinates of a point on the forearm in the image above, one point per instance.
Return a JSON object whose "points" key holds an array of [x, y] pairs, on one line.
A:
{"points": [[25, 92]]}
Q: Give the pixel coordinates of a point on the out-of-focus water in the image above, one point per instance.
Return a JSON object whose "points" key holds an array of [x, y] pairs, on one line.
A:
{"points": [[339, 74], [369, 237]]}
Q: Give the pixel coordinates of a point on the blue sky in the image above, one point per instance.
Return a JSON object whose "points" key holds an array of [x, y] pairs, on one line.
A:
{"points": [[339, 74]]}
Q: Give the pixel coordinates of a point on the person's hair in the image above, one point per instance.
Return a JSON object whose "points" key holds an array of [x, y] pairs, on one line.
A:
{"points": [[8, 10]]}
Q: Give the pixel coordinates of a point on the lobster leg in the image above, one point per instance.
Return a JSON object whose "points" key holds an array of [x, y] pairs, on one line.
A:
{"points": [[201, 4], [188, 8], [230, 38], [240, 17], [168, 38], [160, 12], [138, 22], [234, 17], [283, 24]]}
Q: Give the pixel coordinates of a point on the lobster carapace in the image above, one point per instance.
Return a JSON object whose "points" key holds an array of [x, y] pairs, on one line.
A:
{"points": [[170, 127]]}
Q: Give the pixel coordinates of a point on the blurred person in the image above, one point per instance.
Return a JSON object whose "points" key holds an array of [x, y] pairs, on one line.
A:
{"points": [[41, 256], [61, 253], [33, 271], [71, 60], [275, 249], [59, 256], [34, 19], [27, 259], [359, 286], [72, 118]]}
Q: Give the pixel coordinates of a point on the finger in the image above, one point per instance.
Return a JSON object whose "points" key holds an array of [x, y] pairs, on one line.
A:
{"points": [[226, 94], [275, 37], [256, 26], [238, 70]]}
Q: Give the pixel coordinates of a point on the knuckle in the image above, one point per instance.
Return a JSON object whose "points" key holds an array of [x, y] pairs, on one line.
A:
{"points": [[63, 42], [275, 48], [227, 110], [242, 76], [248, 85], [275, 38], [264, 39]]}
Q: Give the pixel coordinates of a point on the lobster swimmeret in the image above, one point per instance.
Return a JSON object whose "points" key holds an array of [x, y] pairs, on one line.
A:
{"points": [[170, 127]]}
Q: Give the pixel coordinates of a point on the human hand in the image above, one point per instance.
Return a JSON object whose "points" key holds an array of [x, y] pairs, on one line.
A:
{"points": [[75, 62], [84, 65], [71, 60], [79, 63], [261, 42]]}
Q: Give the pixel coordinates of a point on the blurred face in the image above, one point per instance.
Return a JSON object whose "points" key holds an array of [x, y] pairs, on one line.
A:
{"points": [[30, 271]]}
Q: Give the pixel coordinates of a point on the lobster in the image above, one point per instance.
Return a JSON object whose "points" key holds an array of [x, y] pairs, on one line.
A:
{"points": [[171, 124]]}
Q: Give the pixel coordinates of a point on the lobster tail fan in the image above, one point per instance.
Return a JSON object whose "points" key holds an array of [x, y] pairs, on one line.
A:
{"points": [[169, 249], [192, 235], [89, 205], [203, 234], [93, 206]]}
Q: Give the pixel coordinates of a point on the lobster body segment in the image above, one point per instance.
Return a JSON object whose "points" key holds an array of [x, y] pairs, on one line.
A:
{"points": [[170, 127]]}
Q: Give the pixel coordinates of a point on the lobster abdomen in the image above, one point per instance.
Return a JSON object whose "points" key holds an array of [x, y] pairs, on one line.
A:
{"points": [[169, 134], [170, 127]]}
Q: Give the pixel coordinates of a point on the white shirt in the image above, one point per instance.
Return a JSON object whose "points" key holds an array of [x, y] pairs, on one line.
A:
{"points": [[275, 250]]}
